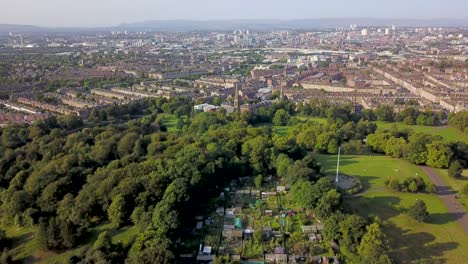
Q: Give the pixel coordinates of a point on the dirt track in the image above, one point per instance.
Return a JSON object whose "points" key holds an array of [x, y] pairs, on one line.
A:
{"points": [[447, 195]]}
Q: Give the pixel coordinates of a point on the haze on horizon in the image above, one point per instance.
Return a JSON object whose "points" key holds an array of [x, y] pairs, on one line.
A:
{"points": [[65, 13]]}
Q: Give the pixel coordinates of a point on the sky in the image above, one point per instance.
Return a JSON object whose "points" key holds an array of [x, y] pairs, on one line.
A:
{"points": [[65, 13]]}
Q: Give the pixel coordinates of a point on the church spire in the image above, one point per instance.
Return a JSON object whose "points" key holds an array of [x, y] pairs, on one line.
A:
{"points": [[236, 97]]}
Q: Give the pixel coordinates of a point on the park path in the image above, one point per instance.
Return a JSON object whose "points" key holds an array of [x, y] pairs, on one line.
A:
{"points": [[447, 195]]}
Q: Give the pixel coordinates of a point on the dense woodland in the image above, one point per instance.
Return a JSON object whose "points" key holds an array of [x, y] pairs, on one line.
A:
{"points": [[66, 176]]}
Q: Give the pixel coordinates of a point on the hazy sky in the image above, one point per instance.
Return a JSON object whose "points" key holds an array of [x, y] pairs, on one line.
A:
{"points": [[112, 12]]}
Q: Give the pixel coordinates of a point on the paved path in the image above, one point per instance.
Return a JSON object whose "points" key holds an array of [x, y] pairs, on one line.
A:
{"points": [[447, 195]]}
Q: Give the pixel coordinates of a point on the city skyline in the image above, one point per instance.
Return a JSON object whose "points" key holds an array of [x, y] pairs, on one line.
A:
{"points": [[89, 13]]}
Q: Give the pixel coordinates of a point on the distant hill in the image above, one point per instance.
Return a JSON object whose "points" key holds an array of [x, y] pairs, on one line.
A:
{"points": [[183, 25], [188, 25], [7, 28]]}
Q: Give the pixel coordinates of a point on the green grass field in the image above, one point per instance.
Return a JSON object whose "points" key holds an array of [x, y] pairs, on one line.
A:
{"points": [[319, 120], [439, 240], [171, 122], [448, 133], [456, 184], [26, 245]]}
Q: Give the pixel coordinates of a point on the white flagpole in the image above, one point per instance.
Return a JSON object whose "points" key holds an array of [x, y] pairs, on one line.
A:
{"points": [[338, 165]]}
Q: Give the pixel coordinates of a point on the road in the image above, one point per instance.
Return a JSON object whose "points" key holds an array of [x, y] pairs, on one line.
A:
{"points": [[447, 195]]}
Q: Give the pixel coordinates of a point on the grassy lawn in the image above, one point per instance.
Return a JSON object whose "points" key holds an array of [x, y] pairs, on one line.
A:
{"points": [[171, 122], [456, 184], [283, 130], [439, 240], [26, 245], [448, 133], [319, 120]]}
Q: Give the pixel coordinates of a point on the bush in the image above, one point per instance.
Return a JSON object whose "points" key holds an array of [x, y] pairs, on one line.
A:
{"points": [[431, 188], [408, 185], [419, 211], [393, 184], [455, 169], [408, 120], [465, 189]]}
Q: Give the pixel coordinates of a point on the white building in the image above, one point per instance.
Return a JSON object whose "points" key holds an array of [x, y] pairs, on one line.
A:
{"points": [[205, 107]]}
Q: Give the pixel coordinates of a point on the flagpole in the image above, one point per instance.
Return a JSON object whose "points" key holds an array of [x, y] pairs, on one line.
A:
{"points": [[338, 165]]}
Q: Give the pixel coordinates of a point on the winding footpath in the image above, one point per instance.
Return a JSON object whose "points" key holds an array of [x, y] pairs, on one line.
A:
{"points": [[447, 195]]}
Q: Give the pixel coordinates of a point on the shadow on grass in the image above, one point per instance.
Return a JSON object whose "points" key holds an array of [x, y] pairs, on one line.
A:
{"points": [[22, 239], [366, 181], [347, 161], [17, 246], [406, 247], [445, 190], [328, 162], [384, 207], [441, 219], [462, 178]]}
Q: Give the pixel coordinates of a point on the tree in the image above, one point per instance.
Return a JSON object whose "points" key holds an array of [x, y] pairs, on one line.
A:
{"points": [[459, 120], [217, 101], [298, 171], [281, 118], [431, 188], [418, 211], [465, 189], [303, 194], [412, 187], [117, 211], [151, 247], [384, 113], [373, 244], [378, 141], [328, 204], [126, 144], [416, 150], [393, 184], [180, 123], [354, 147], [258, 181], [395, 147], [258, 152], [152, 255], [103, 242], [352, 229], [439, 154], [455, 169], [408, 120]]}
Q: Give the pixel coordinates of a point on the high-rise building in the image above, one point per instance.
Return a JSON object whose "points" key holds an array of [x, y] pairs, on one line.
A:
{"points": [[364, 32]]}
